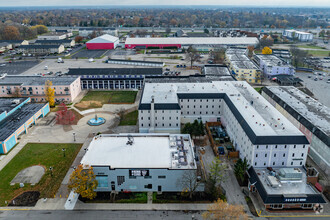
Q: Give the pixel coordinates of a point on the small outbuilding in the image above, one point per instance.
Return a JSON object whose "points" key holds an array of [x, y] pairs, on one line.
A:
{"points": [[104, 42]]}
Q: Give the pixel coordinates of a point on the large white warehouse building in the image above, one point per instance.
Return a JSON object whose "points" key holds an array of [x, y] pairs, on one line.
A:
{"points": [[260, 132]]}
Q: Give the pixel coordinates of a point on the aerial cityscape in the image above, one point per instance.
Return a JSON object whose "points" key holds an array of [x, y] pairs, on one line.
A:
{"points": [[145, 110]]}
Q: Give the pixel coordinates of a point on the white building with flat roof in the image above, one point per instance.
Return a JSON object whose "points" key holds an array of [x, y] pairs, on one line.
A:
{"points": [[141, 162], [271, 65], [300, 35], [260, 132]]}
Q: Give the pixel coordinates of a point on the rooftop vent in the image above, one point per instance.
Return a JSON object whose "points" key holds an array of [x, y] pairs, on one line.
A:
{"points": [[130, 140], [15, 101]]}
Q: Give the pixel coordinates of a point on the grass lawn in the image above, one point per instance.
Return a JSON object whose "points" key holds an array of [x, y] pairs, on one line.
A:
{"points": [[136, 198], [258, 89], [321, 53], [140, 51], [129, 118], [96, 99], [47, 155], [310, 47]]}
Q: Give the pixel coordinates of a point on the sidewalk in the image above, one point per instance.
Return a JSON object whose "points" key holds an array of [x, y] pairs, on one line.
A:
{"points": [[152, 206], [63, 191]]}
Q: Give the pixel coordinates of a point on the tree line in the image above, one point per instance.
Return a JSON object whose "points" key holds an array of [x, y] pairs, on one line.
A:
{"points": [[12, 31], [154, 17]]}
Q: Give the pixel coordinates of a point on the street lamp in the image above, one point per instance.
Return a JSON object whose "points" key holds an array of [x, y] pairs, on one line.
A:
{"points": [[63, 149], [74, 136], [51, 171]]}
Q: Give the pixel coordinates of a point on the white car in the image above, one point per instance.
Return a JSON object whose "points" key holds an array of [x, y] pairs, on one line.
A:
{"points": [[3, 64]]}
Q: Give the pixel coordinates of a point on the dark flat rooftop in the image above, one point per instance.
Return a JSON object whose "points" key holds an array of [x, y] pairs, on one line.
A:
{"points": [[216, 70], [52, 41], [6, 104], [115, 71], [40, 46], [10, 124], [135, 61]]}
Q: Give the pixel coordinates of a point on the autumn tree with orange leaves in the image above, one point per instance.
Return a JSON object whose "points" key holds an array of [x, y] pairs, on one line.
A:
{"points": [[83, 181], [222, 210]]}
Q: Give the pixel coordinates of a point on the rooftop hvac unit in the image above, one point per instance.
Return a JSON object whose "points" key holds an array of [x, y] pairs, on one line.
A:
{"points": [[172, 144]]}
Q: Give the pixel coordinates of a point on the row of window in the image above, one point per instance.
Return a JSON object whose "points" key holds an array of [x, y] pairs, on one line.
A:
{"points": [[201, 100], [200, 106], [162, 111], [285, 146], [274, 163], [293, 154], [163, 118], [162, 125], [194, 113]]}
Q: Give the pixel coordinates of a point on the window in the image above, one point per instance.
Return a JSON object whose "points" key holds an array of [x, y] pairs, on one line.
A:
{"points": [[255, 164], [264, 164], [141, 125], [300, 162], [147, 177], [302, 154], [148, 118], [291, 163], [293, 155], [102, 181], [170, 118], [120, 180], [265, 155], [149, 186], [170, 124], [282, 163], [275, 146], [283, 155], [161, 177], [273, 163], [256, 155], [294, 146], [303, 146], [274, 155], [177, 124]]}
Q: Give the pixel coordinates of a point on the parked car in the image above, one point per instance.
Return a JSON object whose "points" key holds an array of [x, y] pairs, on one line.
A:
{"points": [[221, 150], [309, 76], [315, 79]]}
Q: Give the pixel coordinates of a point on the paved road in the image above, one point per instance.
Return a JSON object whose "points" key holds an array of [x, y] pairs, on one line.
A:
{"points": [[81, 215]]}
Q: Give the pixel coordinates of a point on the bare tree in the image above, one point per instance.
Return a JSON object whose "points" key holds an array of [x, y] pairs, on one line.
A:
{"points": [[17, 92], [192, 55], [189, 182], [297, 54]]}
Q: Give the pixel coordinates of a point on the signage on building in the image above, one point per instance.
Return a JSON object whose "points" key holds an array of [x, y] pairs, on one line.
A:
{"points": [[138, 172], [295, 199]]}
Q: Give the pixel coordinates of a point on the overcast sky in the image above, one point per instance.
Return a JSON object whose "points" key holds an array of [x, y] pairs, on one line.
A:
{"points": [[298, 3]]}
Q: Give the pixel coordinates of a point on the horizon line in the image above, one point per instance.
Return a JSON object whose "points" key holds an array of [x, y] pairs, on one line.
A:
{"points": [[93, 6]]}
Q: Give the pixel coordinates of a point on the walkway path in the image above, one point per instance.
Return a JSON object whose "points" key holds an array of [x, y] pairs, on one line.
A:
{"points": [[63, 191], [233, 191]]}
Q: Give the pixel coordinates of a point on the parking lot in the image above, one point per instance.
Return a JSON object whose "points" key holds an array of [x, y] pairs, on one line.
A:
{"points": [[91, 53], [122, 52], [320, 88], [17, 67]]}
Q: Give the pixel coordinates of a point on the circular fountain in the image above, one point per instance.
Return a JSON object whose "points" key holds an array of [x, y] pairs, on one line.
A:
{"points": [[96, 121]]}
